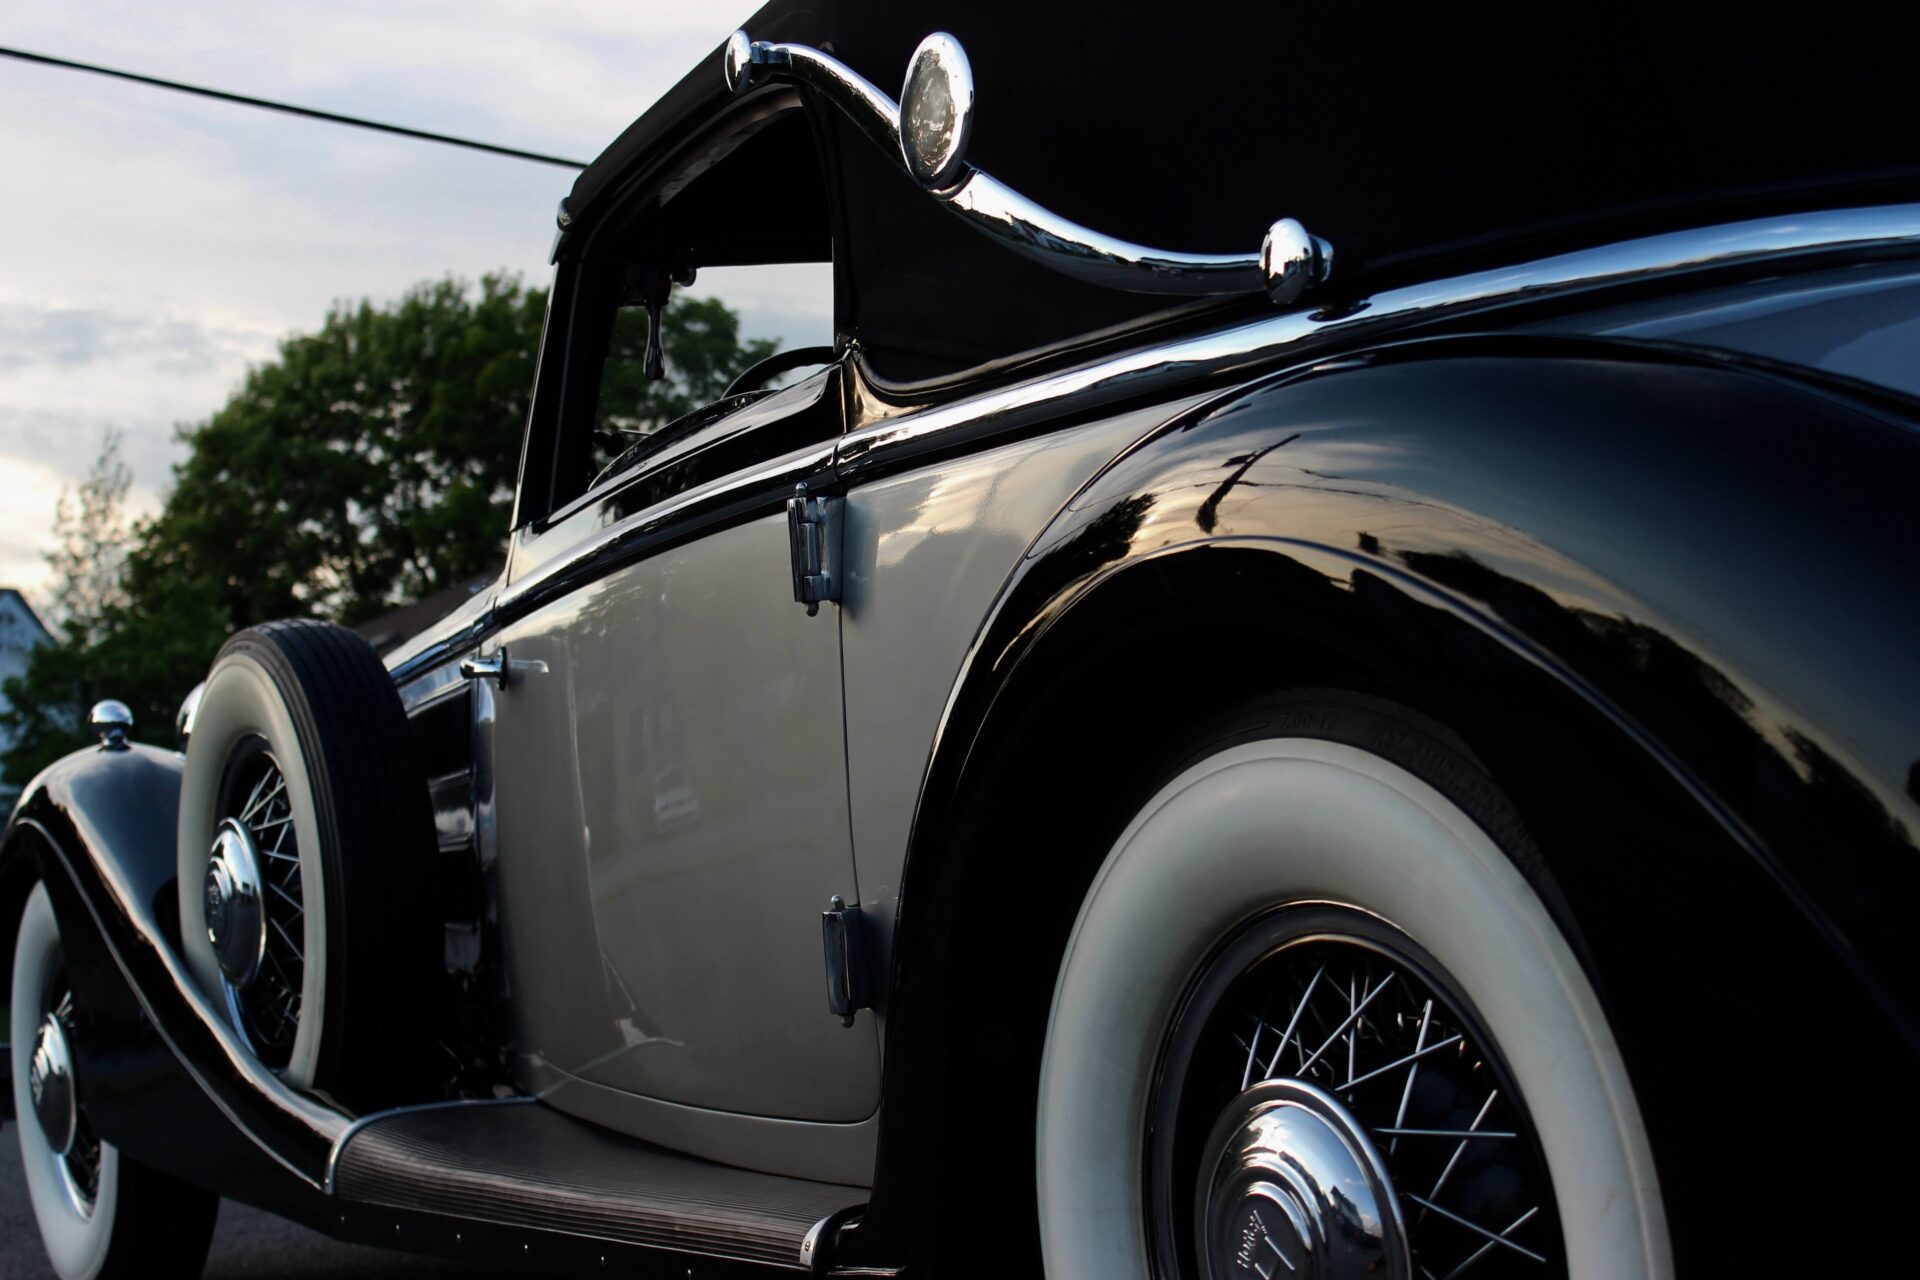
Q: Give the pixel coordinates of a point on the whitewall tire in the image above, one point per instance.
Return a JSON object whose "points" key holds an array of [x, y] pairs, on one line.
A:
{"points": [[246, 764], [305, 848], [101, 1216], [1322, 826]]}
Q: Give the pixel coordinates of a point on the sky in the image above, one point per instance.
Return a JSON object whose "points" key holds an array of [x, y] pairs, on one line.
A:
{"points": [[153, 245]]}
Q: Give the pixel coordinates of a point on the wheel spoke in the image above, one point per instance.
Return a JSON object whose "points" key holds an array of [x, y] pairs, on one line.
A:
{"points": [[279, 785], [1468, 1134], [253, 797], [1458, 1151], [1414, 1057], [1406, 1094], [1246, 1072], [1293, 1022], [287, 938], [1349, 1021], [1492, 1237], [1487, 1248]]}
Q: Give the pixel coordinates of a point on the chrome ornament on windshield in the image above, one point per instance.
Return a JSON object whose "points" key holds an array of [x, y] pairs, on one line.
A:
{"points": [[929, 131]]}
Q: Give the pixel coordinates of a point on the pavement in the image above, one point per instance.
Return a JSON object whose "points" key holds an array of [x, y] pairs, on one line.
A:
{"points": [[247, 1244]]}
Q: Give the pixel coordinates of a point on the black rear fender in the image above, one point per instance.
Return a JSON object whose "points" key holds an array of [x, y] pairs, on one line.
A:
{"points": [[1666, 601]]}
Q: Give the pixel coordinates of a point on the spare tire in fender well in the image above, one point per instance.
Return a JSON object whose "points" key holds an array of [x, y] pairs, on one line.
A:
{"points": [[311, 701]]}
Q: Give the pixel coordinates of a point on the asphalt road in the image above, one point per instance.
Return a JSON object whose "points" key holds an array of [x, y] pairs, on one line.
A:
{"points": [[247, 1244]]}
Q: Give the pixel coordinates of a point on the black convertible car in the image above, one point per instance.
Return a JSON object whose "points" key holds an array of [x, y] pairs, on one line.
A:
{"points": [[1321, 681]]}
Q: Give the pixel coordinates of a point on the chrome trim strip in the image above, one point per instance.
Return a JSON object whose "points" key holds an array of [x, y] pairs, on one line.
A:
{"points": [[1016, 222], [340, 1143], [769, 484], [1256, 347]]}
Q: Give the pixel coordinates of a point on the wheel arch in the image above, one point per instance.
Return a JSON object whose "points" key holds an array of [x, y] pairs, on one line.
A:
{"points": [[1376, 557], [98, 828]]}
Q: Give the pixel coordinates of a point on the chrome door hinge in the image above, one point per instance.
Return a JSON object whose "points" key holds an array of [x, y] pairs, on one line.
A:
{"points": [[813, 537], [843, 933]]}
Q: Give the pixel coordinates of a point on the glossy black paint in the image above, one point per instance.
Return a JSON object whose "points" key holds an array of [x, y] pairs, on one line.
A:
{"points": [[1664, 598], [102, 823]]}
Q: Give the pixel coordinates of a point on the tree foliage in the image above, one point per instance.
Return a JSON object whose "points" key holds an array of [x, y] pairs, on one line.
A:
{"points": [[371, 464]]}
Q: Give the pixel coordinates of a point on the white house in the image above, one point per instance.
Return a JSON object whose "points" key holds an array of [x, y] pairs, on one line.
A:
{"points": [[20, 634]]}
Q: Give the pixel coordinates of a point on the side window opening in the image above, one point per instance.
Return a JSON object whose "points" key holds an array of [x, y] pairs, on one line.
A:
{"points": [[728, 323], [736, 263]]}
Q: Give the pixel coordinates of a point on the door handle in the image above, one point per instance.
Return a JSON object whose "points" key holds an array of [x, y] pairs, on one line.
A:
{"points": [[491, 668]]}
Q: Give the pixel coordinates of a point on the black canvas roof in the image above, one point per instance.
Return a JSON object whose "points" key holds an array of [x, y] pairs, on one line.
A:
{"points": [[1413, 138]]}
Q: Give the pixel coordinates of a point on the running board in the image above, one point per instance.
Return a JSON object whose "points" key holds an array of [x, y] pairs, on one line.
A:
{"points": [[530, 1168]]}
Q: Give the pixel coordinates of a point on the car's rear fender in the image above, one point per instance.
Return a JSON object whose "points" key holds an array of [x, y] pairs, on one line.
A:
{"points": [[164, 1076], [1664, 598]]}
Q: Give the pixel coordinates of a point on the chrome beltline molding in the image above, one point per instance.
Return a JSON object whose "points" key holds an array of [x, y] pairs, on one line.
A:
{"points": [[1262, 344], [751, 489], [346, 1136]]}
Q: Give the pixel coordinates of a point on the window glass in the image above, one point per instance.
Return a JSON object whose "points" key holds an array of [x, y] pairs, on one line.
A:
{"points": [[727, 321]]}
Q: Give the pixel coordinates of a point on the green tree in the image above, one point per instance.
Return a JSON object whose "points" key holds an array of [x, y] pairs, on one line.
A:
{"points": [[370, 464]]}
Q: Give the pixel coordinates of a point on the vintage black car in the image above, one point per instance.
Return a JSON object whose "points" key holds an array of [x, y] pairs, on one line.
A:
{"points": [[1385, 748]]}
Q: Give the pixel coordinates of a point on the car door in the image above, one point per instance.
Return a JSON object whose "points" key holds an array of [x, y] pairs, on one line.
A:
{"points": [[669, 796], [671, 806]]}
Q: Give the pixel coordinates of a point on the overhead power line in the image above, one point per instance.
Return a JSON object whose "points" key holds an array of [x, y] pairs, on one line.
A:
{"points": [[288, 108]]}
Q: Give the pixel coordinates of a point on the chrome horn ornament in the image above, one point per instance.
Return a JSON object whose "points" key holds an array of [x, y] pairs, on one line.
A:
{"points": [[111, 721], [928, 132]]}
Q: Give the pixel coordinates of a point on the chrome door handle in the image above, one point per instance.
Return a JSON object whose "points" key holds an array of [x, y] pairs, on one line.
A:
{"points": [[493, 668]]}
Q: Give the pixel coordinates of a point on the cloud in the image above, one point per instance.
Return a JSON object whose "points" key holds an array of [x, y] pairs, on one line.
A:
{"points": [[153, 246], [70, 338]]}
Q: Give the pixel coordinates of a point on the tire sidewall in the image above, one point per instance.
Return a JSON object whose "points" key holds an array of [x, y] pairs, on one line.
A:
{"points": [[1286, 820], [243, 699], [76, 1245]]}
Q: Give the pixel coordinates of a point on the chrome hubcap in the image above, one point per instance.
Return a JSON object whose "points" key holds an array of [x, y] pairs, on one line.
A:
{"points": [[50, 1079], [236, 919], [1297, 1190]]}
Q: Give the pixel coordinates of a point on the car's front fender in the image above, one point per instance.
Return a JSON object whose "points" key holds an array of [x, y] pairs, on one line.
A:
{"points": [[100, 824]]}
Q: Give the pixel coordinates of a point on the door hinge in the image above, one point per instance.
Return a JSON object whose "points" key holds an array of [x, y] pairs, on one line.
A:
{"points": [[843, 934], [813, 536]]}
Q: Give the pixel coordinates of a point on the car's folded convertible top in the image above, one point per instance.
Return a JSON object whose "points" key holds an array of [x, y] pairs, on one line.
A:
{"points": [[1403, 134]]}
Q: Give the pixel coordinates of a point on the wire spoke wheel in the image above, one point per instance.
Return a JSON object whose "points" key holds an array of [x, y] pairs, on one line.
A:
{"points": [[256, 818], [1332, 1012]]}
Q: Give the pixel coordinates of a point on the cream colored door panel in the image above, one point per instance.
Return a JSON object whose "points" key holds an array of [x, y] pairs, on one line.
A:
{"points": [[672, 819]]}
